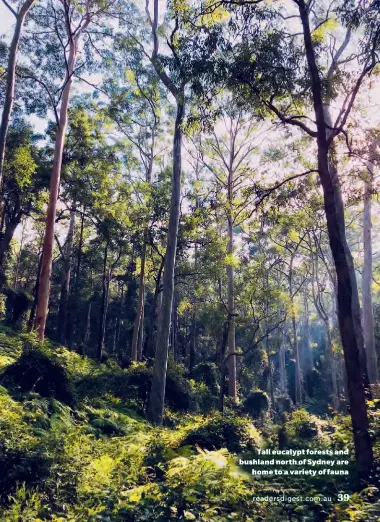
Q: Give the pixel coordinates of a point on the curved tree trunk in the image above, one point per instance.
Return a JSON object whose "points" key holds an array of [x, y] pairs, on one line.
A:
{"points": [[157, 393], [348, 297]]}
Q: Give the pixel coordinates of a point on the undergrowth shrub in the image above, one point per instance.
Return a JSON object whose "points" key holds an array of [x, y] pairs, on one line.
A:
{"points": [[256, 404], [223, 431], [306, 430], [208, 374], [37, 370], [203, 398], [21, 455], [134, 384]]}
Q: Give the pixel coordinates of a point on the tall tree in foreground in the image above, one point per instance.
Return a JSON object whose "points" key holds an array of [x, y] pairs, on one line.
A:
{"points": [[71, 23], [253, 76], [177, 89]]}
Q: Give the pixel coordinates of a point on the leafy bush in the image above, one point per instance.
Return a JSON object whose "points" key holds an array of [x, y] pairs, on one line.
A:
{"points": [[134, 384], [218, 431], [17, 305], [208, 374], [306, 430], [204, 399], [256, 404], [36, 370]]}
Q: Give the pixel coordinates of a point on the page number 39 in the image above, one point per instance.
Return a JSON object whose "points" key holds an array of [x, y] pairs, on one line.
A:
{"points": [[342, 498]]}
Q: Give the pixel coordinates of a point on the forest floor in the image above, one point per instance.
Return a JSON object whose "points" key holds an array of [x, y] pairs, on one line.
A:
{"points": [[75, 446]]}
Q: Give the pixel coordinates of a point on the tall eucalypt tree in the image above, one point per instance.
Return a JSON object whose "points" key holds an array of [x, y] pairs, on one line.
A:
{"points": [[68, 23], [177, 89], [177, 69], [11, 81], [283, 71]]}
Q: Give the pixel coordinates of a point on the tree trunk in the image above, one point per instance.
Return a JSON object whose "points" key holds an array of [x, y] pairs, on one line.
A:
{"points": [[223, 347], [10, 87], [332, 368], [283, 384], [73, 324], [193, 341], [150, 341], [271, 385], [87, 331], [103, 307], [194, 329], [65, 288], [174, 329], [368, 323], [140, 305], [140, 344], [157, 393], [296, 348], [47, 249], [307, 357], [232, 392], [348, 297], [35, 292]]}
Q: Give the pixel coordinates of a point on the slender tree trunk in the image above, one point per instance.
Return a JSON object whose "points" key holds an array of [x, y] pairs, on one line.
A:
{"points": [[140, 344], [87, 331], [193, 341], [103, 307], [271, 385], [73, 324], [47, 249], [232, 391], [10, 88], [35, 293], [174, 328], [223, 368], [157, 393], [307, 357], [283, 384], [368, 323], [349, 319], [296, 348], [332, 368], [119, 318], [194, 329], [17, 267], [139, 322], [66, 276], [140, 305], [150, 343]]}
